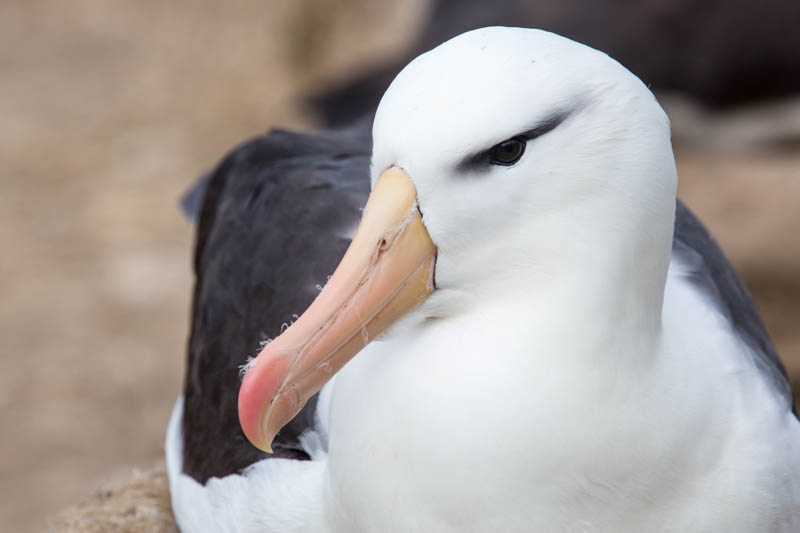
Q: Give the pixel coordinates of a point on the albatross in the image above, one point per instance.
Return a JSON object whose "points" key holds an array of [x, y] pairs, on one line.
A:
{"points": [[526, 333]]}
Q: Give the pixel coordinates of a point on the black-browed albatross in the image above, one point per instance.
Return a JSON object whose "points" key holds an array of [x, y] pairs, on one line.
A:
{"points": [[524, 334]]}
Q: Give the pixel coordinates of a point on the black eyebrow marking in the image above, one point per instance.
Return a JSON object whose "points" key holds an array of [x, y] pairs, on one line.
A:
{"points": [[482, 159]]}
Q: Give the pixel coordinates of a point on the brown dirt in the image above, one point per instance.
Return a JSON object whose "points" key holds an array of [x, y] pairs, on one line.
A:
{"points": [[110, 110]]}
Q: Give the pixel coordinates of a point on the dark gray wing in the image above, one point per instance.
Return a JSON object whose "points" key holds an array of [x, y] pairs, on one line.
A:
{"points": [[273, 222], [711, 272]]}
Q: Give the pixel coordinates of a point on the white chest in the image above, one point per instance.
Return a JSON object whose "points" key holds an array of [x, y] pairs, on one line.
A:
{"points": [[455, 434]]}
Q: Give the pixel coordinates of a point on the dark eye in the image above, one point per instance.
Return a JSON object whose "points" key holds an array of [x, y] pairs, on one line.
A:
{"points": [[508, 152]]}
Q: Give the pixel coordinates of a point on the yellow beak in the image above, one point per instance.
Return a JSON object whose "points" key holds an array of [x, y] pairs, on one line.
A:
{"points": [[386, 272]]}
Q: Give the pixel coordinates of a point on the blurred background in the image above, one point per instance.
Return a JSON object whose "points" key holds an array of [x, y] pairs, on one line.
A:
{"points": [[109, 111]]}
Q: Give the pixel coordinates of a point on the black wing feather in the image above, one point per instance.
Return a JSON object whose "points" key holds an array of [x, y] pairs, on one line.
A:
{"points": [[272, 225]]}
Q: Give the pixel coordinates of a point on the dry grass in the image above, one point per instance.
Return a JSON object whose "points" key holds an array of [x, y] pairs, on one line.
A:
{"points": [[139, 504]]}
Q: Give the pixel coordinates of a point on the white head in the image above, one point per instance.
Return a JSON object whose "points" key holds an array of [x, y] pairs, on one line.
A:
{"points": [[574, 213], [593, 194]]}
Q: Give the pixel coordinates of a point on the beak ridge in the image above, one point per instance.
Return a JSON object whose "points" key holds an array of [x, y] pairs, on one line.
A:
{"points": [[387, 271]]}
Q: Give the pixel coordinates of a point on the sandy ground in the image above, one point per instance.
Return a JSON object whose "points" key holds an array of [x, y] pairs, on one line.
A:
{"points": [[109, 111]]}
